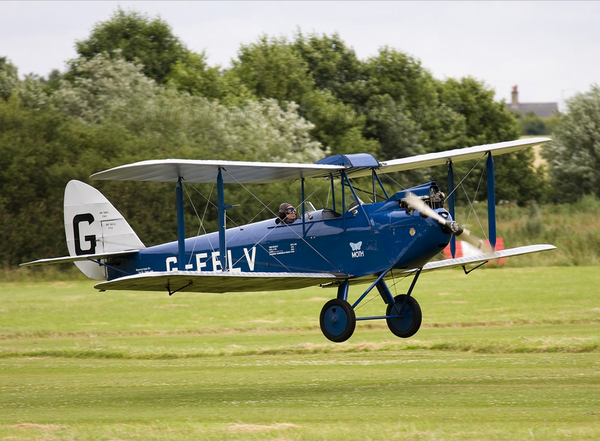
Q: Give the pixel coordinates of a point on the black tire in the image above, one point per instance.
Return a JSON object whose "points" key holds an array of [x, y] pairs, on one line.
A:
{"points": [[407, 323], [337, 320]]}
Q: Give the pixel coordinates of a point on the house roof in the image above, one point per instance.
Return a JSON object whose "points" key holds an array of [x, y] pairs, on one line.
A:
{"points": [[543, 110]]}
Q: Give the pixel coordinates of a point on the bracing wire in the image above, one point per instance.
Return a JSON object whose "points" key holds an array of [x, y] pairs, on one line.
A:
{"points": [[209, 202], [463, 179], [471, 202], [293, 230], [472, 207], [387, 176], [199, 228]]}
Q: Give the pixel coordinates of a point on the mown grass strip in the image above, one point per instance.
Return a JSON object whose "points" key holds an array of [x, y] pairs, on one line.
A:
{"points": [[286, 329], [308, 348]]}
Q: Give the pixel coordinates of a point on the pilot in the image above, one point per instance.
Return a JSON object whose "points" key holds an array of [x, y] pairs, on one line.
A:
{"points": [[287, 213]]}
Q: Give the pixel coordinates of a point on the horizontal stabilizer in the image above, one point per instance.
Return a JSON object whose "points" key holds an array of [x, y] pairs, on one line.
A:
{"points": [[82, 258], [217, 281], [480, 258]]}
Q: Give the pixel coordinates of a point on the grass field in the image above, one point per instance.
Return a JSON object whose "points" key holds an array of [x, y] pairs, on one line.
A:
{"points": [[510, 353]]}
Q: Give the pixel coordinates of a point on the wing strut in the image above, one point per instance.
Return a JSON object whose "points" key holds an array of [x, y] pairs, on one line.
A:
{"points": [[491, 201], [181, 223], [451, 205], [180, 227], [303, 212], [491, 195], [376, 177], [333, 191], [222, 207]]}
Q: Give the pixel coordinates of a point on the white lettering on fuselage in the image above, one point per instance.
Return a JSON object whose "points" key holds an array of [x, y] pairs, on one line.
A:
{"points": [[199, 263], [216, 261], [274, 250], [171, 260], [249, 259], [202, 260]]}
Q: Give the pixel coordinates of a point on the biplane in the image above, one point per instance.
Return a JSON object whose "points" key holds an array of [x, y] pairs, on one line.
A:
{"points": [[349, 243]]}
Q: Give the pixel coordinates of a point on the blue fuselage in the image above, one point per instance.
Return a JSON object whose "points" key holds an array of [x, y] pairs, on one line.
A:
{"points": [[357, 243]]}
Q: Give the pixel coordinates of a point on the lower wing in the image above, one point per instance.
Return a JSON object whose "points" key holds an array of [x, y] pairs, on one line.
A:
{"points": [[482, 258], [217, 281]]}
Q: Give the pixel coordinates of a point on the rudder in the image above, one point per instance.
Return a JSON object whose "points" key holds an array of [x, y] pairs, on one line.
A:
{"points": [[93, 225]]}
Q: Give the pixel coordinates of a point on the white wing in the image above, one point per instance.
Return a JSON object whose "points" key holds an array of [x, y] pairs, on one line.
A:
{"points": [[480, 258], [458, 155], [205, 171], [217, 281]]}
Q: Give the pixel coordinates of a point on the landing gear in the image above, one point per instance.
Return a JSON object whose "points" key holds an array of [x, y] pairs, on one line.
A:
{"points": [[403, 313], [337, 320], [404, 316]]}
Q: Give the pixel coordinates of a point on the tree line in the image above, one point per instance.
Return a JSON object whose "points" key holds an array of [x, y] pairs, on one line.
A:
{"points": [[137, 92]]}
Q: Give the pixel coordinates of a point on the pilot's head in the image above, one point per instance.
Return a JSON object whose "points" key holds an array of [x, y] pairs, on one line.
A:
{"points": [[287, 213]]}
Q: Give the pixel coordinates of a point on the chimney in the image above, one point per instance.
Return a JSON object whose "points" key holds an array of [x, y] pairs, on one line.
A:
{"points": [[515, 97]]}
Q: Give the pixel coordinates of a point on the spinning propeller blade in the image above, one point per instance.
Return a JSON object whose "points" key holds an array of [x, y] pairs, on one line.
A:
{"points": [[453, 227]]}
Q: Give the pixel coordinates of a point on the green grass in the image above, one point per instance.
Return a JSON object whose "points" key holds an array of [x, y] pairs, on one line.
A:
{"points": [[502, 354]]}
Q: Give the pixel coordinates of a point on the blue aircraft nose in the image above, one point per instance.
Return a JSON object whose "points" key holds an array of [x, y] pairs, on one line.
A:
{"points": [[431, 239]]}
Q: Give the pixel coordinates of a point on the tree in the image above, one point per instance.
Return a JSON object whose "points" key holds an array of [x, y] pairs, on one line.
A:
{"points": [[272, 68], [38, 155], [9, 78], [574, 154], [276, 68], [31, 91], [532, 125], [403, 78], [336, 124], [398, 135], [112, 114], [195, 77], [334, 66], [52, 83], [403, 108], [150, 42], [105, 86], [488, 121]]}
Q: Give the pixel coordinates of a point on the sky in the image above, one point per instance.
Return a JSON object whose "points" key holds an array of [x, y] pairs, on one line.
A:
{"points": [[548, 49]]}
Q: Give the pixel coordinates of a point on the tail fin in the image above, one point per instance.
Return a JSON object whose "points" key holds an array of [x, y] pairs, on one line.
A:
{"points": [[93, 225]]}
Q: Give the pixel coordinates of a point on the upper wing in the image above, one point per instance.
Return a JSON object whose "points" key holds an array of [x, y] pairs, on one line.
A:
{"points": [[205, 171], [217, 281], [241, 172], [458, 155], [480, 258]]}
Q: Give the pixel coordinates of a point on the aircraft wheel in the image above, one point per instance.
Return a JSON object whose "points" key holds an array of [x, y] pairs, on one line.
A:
{"points": [[407, 323], [337, 320]]}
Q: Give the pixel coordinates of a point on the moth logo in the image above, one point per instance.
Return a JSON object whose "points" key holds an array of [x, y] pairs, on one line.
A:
{"points": [[356, 249]]}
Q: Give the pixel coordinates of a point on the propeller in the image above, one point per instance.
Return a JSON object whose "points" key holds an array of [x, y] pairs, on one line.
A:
{"points": [[452, 227]]}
